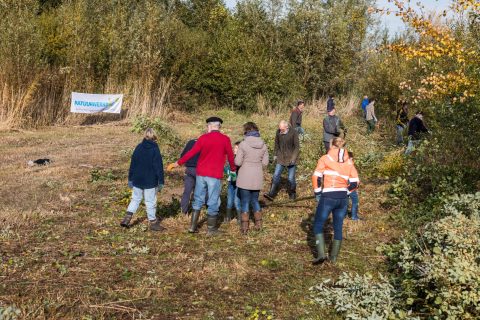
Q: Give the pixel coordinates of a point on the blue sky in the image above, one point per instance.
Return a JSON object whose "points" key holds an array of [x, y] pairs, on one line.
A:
{"points": [[393, 23]]}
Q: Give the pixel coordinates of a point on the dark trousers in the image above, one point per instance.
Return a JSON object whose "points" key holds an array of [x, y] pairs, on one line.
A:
{"points": [[327, 146], [189, 181]]}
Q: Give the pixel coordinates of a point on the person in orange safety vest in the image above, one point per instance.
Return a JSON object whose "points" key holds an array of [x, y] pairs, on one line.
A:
{"points": [[335, 177]]}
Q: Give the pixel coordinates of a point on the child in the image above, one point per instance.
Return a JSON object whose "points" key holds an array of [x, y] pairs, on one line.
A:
{"points": [[232, 197], [354, 197], [145, 177]]}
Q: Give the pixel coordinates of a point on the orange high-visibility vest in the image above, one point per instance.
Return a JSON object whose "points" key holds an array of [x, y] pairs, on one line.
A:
{"points": [[335, 172]]}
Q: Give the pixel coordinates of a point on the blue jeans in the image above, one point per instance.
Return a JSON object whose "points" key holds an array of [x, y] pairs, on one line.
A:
{"points": [[248, 197], [326, 205], [354, 197], [150, 201], [412, 144], [232, 197], [277, 175], [207, 186]]}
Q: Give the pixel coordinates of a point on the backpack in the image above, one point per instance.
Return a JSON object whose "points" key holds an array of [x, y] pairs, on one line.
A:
{"points": [[329, 126]]}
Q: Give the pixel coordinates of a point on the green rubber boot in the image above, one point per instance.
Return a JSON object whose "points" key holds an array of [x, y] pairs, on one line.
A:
{"points": [[194, 221], [212, 227], [228, 216], [320, 245], [335, 250]]}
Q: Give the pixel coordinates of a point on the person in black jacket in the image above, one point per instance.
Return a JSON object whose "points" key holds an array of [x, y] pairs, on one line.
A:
{"points": [[145, 177], [416, 128], [190, 177], [401, 122]]}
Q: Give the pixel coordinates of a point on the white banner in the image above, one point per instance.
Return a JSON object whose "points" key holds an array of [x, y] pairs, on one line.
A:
{"points": [[93, 103]]}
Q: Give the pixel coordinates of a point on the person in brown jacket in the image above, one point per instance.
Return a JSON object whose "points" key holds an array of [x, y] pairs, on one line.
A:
{"points": [[251, 157], [296, 118], [287, 149]]}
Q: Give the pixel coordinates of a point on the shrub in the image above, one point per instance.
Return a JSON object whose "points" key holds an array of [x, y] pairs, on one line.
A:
{"points": [[392, 165], [164, 132], [359, 297], [439, 269]]}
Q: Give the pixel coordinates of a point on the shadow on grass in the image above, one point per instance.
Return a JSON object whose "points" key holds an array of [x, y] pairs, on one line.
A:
{"points": [[307, 226]]}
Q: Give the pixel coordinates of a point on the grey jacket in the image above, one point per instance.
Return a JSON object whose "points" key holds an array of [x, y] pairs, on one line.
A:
{"points": [[333, 121], [251, 157]]}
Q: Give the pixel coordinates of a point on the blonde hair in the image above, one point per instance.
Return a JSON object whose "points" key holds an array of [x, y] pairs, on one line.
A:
{"points": [[150, 134], [338, 142]]}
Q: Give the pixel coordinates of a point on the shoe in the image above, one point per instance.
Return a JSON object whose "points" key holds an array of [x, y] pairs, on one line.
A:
{"points": [[228, 216], [320, 245], [155, 225], [194, 221], [273, 192], [212, 227], [126, 220], [258, 220], [335, 250], [245, 222]]}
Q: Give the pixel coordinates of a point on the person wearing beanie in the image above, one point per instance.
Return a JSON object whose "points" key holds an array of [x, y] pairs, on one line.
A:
{"points": [[214, 147], [330, 102], [332, 127]]}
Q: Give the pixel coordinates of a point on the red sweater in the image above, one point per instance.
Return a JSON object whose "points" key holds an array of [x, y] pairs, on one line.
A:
{"points": [[213, 147]]}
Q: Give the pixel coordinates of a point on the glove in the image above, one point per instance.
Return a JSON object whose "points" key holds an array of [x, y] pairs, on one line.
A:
{"points": [[318, 197], [160, 187], [172, 166], [130, 184], [233, 176], [274, 158]]}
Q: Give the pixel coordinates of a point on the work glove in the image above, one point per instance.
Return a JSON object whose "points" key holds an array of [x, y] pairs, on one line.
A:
{"points": [[233, 176], [160, 187], [172, 166], [130, 184], [318, 197]]}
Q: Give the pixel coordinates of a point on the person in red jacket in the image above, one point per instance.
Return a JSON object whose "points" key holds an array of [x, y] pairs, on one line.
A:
{"points": [[212, 147]]}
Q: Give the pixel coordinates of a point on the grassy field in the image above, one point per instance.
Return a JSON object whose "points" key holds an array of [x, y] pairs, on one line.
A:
{"points": [[64, 256]]}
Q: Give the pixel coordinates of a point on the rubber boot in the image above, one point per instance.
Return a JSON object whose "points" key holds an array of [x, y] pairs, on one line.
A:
{"points": [[335, 250], [212, 227], [239, 218], [273, 192], [292, 192], [320, 245], [194, 221], [155, 225], [245, 222], [126, 220], [228, 216], [258, 220]]}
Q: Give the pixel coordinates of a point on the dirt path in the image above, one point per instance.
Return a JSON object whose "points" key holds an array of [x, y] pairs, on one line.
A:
{"points": [[63, 255]]}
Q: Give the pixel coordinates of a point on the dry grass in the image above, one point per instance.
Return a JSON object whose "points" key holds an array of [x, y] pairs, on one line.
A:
{"points": [[63, 255]]}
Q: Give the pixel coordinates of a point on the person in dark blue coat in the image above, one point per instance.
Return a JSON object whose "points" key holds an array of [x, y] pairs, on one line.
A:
{"points": [[146, 178], [190, 177]]}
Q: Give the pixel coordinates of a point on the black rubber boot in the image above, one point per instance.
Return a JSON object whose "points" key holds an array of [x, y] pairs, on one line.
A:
{"points": [[320, 245], [126, 220], [273, 192], [194, 221], [228, 216], [335, 250], [212, 227], [292, 192], [155, 225]]}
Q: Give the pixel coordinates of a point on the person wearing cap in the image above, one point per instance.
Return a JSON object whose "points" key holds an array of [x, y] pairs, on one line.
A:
{"points": [[332, 127], [213, 147], [296, 117]]}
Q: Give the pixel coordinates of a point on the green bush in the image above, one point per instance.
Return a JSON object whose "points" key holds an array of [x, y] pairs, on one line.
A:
{"points": [[165, 133], [438, 270], [360, 297]]}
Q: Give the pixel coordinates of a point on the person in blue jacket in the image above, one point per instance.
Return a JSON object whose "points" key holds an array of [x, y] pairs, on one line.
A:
{"points": [[145, 178], [365, 103]]}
